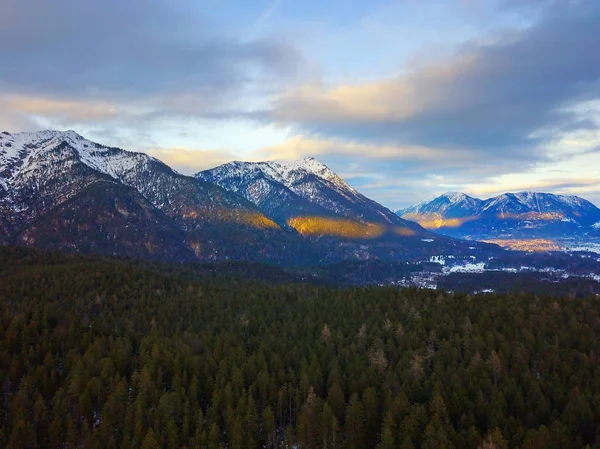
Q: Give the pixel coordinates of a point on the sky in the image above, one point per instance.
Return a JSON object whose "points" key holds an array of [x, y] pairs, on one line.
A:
{"points": [[405, 99]]}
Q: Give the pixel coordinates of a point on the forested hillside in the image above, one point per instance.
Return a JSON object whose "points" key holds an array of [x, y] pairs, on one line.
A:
{"points": [[110, 354]]}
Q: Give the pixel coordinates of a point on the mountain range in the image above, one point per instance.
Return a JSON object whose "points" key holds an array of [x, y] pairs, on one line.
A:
{"points": [[523, 215], [61, 191]]}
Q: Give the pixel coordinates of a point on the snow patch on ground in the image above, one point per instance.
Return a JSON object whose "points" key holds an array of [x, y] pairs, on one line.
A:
{"points": [[588, 247], [440, 259], [468, 268]]}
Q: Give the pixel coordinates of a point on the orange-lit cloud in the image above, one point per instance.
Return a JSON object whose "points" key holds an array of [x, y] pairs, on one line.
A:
{"points": [[191, 161], [72, 110], [390, 99], [303, 146]]}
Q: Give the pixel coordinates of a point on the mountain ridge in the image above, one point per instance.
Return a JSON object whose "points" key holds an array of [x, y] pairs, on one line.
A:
{"points": [[518, 214], [42, 170], [310, 180], [53, 184]]}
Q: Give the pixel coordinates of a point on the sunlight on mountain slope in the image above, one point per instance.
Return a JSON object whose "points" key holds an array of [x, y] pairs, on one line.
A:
{"points": [[248, 218], [338, 227], [436, 221], [528, 245], [404, 232]]}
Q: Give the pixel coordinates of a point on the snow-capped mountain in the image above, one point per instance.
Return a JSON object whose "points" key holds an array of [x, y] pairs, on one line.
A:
{"points": [[288, 189], [510, 215], [59, 190], [447, 206], [305, 196], [41, 172]]}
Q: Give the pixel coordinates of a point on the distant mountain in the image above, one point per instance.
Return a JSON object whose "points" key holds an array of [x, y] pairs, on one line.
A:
{"points": [[510, 215], [438, 212]]}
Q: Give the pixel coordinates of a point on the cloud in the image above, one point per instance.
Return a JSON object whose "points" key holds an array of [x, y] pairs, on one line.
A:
{"points": [[139, 76], [490, 97], [391, 159], [561, 186], [595, 150], [189, 161], [305, 146], [67, 110], [122, 51]]}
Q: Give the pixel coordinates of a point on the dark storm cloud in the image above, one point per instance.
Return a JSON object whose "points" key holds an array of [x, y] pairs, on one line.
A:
{"points": [[125, 49], [501, 98]]}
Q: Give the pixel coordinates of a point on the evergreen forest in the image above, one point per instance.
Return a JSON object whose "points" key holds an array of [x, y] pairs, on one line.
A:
{"points": [[101, 353]]}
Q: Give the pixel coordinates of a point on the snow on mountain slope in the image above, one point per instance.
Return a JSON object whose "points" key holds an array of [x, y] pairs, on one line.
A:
{"points": [[38, 171], [53, 184], [544, 206], [508, 215], [42, 170], [449, 205], [108, 218], [18, 151], [30, 158], [289, 173], [311, 185]]}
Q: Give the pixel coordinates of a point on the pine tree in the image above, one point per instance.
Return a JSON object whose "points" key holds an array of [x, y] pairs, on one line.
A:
{"points": [[214, 437], [150, 441], [355, 423], [388, 433], [494, 440], [268, 427]]}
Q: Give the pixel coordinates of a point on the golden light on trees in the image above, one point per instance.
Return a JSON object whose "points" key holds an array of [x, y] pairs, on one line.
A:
{"points": [[338, 227], [404, 232], [436, 221]]}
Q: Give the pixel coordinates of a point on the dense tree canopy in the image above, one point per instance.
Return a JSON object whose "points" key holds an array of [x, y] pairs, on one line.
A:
{"points": [[109, 354]]}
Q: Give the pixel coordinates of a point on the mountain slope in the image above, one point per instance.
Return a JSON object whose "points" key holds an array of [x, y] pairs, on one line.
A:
{"points": [[40, 171], [287, 190], [62, 191], [309, 198], [109, 218], [267, 192], [440, 211], [510, 215]]}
